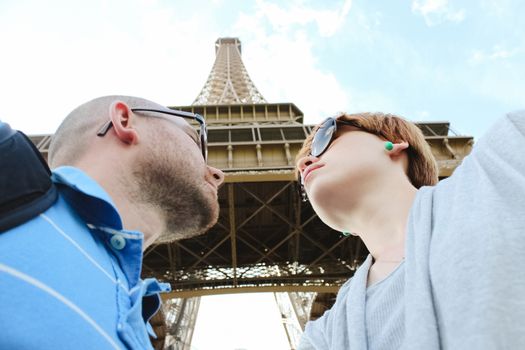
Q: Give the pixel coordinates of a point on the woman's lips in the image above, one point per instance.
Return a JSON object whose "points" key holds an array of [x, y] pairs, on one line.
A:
{"points": [[309, 170]]}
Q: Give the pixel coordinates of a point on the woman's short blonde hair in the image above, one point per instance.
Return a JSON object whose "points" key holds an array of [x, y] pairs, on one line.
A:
{"points": [[422, 166]]}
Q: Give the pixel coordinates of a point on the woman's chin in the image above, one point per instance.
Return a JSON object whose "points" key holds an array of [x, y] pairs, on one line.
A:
{"points": [[331, 206], [325, 197]]}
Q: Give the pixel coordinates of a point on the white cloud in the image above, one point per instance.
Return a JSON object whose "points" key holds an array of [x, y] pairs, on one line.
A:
{"points": [[287, 71], [496, 53], [369, 21], [498, 8], [429, 6], [278, 47], [437, 11], [495, 75], [151, 50], [297, 13], [52, 63]]}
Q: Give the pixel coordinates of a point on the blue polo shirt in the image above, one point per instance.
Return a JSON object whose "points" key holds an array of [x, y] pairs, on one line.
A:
{"points": [[70, 277]]}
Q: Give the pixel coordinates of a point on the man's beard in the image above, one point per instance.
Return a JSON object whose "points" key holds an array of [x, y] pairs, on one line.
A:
{"points": [[170, 184]]}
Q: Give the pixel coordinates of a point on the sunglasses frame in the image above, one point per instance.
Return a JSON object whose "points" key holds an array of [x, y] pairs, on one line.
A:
{"points": [[329, 122]]}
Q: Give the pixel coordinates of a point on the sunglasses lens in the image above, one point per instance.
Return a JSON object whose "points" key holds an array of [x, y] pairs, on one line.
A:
{"points": [[322, 137]]}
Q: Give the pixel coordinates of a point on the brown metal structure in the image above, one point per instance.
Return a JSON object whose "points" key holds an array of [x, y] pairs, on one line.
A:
{"points": [[295, 310], [228, 82], [266, 238]]}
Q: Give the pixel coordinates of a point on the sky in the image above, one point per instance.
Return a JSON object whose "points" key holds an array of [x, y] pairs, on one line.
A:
{"points": [[248, 321], [459, 61], [427, 60]]}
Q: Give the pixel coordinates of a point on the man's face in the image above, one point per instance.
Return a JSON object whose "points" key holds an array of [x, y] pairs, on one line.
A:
{"points": [[172, 175]]}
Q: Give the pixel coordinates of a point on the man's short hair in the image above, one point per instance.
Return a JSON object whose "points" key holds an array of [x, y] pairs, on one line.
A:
{"points": [[72, 138]]}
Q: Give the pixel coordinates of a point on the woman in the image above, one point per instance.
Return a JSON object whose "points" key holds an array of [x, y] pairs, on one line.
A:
{"points": [[446, 260]]}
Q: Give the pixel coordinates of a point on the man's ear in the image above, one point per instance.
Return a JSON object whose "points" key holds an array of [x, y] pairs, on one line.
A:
{"points": [[123, 121], [398, 149]]}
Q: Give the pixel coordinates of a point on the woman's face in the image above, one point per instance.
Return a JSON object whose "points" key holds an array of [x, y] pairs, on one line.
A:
{"points": [[345, 172]]}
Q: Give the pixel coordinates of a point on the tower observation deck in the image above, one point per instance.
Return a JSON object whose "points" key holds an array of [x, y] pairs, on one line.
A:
{"points": [[266, 238]]}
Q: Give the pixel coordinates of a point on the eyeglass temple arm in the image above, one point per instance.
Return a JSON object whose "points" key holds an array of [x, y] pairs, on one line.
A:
{"points": [[176, 113], [105, 128]]}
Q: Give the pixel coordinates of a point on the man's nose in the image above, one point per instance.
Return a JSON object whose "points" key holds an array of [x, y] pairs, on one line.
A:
{"points": [[217, 175]]}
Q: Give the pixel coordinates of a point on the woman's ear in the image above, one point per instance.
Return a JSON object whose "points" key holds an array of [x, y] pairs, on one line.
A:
{"points": [[123, 121], [396, 149]]}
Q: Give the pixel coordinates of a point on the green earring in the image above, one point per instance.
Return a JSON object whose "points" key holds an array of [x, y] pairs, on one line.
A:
{"points": [[389, 146], [346, 233]]}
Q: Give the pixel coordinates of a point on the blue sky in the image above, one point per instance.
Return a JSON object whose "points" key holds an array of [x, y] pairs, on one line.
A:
{"points": [[460, 61]]}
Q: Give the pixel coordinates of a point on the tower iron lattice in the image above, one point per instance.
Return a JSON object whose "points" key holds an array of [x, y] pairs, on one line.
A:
{"points": [[229, 84], [229, 81]]}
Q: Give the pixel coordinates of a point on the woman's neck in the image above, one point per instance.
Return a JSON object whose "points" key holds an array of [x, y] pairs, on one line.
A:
{"points": [[381, 221]]}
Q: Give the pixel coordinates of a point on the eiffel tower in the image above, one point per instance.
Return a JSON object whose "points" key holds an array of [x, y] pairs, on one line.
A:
{"points": [[266, 239], [229, 84]]}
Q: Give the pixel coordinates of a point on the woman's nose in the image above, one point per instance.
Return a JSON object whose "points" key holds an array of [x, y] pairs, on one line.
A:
{"points": [[304, 162]]}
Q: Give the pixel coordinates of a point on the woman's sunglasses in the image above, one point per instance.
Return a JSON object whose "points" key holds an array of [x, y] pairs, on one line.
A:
{"points": [[325, 135]]}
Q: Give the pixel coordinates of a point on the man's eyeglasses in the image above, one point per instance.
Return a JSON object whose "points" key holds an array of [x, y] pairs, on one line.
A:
{"points": [[203, 136], [325, 135]]}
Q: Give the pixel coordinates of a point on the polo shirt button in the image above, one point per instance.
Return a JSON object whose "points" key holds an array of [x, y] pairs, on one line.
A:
{"points": [[118, 242]]}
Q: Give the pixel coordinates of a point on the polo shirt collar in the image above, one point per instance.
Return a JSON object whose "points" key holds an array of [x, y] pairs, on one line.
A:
{"points": [[88, 198]]}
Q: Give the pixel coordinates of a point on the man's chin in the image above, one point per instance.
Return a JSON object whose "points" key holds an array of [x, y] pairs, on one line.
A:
{"points": [[179, 231], [171, 236], [213, 218]]}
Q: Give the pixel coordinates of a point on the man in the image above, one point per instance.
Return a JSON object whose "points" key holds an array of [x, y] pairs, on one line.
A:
{"points": [[128, 172]]}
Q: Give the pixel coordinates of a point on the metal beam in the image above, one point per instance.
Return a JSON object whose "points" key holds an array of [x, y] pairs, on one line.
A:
{"points": [[324, 254], [250, 289], [187, 250], [233, 232], [325, 250], [203, 258], [276, 247], [263, 203], [296, 202], [171, 259]]}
